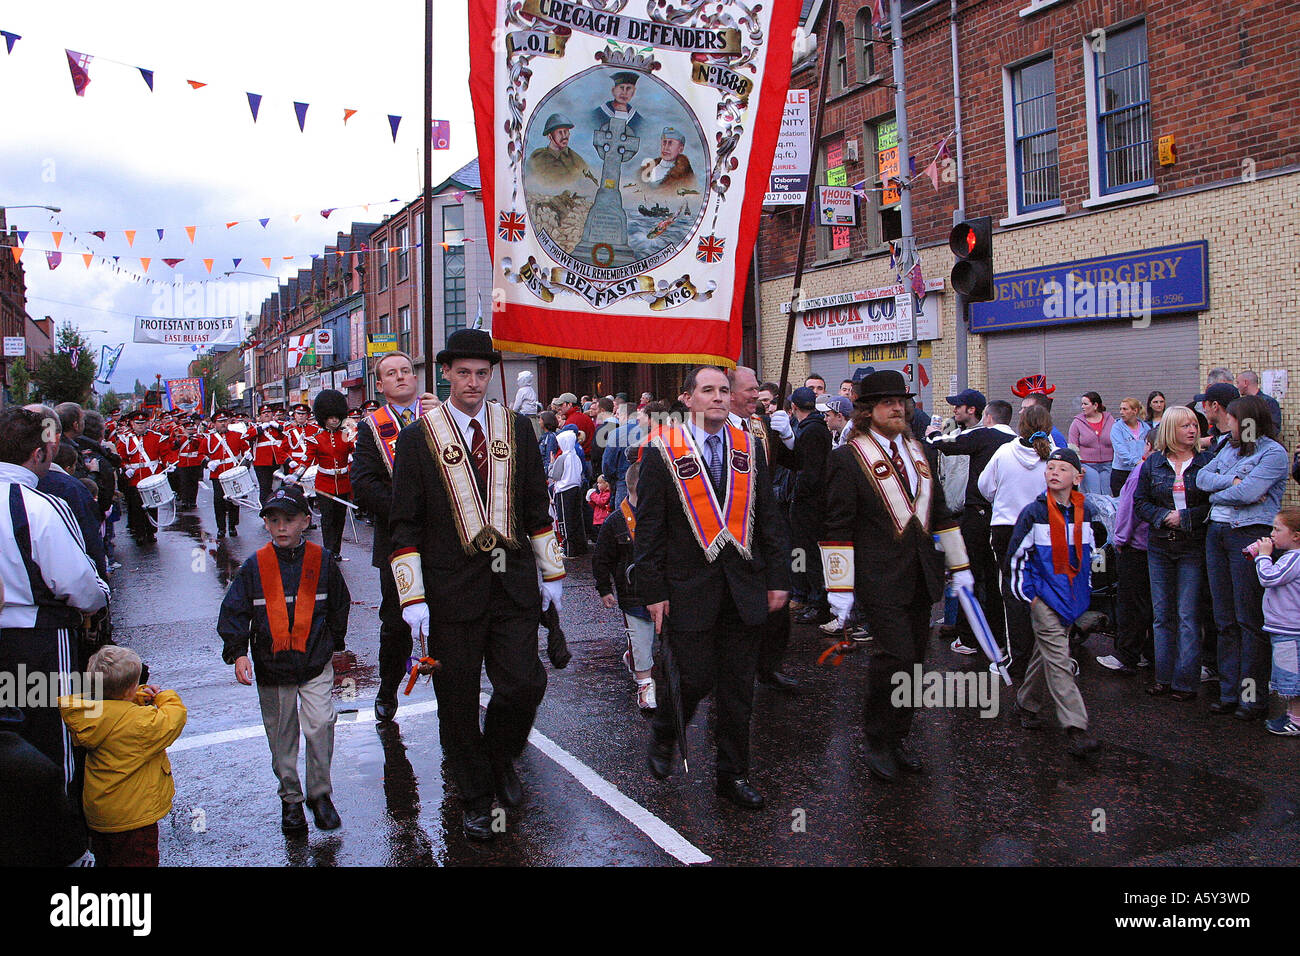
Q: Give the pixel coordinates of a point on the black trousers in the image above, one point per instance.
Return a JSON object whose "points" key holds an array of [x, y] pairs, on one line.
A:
{"points": [[722, 660], [1117, 479], [265, 477], [975, 532], [137, 515], [1020, 631], [1133, 638], [505, 643], [573, 524], [227, 513], [46, 651], [394, 636], [333, 515], [773, 639], [188, 480], [901, 634]]}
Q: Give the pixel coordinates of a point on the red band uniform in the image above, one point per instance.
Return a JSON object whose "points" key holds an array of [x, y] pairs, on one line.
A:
{"points": [[223, 451]]}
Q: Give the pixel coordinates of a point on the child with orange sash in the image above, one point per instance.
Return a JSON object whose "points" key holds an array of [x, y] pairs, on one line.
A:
{"points": [[290, 602]]}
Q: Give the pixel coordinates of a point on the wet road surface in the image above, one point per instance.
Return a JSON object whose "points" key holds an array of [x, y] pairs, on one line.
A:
{"points": [[1171, 784]]}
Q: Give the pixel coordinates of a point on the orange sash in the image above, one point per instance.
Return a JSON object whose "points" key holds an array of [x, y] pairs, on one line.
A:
{"points": [[714, 524], [277, 608], [630, 517], [386, 427]]}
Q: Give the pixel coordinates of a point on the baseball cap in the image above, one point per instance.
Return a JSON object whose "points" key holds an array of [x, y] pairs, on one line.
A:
{"points": [[286, 498], [968, 396], [568, 398], [1220, 392], [1067, 455], [804, 397], [836, 403]]}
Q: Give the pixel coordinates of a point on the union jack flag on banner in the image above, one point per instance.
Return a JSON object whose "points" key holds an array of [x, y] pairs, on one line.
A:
{"points": [[635, 141]]}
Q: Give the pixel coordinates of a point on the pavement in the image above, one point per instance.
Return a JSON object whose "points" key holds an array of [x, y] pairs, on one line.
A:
{"points": [[1170, 785]]}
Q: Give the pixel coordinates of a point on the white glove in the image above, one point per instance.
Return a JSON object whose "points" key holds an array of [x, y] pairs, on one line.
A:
{"points": [[781, 425], [417, 618], [841, 603], [551, 593], [963, 579]]}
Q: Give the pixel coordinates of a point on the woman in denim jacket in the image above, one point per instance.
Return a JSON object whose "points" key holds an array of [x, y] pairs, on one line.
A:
{"points": [[1245, 482], [1168, 499]]}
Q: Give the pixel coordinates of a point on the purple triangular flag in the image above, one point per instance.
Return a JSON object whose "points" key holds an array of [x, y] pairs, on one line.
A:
{"points": [[237, 262], [10, 40], [53, 258], [160, 235], [22, 235], [148, 76], [254, 103], [393, 122], [264, 222], [301, 110]]}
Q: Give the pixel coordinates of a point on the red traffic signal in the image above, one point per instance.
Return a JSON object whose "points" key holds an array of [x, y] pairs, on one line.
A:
{"points": [[971, 241]]}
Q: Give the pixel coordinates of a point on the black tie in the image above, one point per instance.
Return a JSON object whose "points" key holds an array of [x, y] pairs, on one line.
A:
{"points": [[478, 456], [715, 462], [899, 467]]}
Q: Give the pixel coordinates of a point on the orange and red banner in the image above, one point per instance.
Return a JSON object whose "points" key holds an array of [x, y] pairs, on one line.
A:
{"points": [[624, 161]]}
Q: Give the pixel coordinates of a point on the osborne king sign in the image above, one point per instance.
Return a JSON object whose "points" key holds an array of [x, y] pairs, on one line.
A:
{"points": [[201, 332]]}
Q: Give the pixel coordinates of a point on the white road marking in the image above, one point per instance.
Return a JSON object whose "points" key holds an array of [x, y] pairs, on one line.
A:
{"points": [[663, 835]]}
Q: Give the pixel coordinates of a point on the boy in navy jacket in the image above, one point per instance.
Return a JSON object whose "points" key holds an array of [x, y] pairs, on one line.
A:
{"points": [[1051, 570]]}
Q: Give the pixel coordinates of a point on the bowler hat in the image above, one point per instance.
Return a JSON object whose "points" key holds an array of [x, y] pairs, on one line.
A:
{"points": [[885, 383], [469, 344]]}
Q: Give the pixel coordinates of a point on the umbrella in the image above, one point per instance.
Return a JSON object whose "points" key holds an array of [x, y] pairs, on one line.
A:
{"points": [[675, 698], [980, 625]]}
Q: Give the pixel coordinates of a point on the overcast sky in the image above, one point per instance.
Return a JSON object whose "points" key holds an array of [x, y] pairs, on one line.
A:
{"points": [[124, 158]]}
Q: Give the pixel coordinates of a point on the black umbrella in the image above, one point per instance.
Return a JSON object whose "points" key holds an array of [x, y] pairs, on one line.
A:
{"points": [[675, 696]]}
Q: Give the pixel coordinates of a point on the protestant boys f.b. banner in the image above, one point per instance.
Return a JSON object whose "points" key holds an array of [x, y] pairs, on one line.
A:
{"points": [[625, 151]]}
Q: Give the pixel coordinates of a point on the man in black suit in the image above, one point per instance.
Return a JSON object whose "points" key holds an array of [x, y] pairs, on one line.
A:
{"points": [[883, 507], [812, 446], [372, 487], [710, 571], [470, 530]]}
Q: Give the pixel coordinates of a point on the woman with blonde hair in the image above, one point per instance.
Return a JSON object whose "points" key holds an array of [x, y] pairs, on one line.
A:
{"points": [[1128, 439], [1168, 499]]}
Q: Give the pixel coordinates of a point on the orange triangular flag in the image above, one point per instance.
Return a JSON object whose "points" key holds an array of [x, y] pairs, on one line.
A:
{"points": [[267, 262], [190, 231], [208, 263], [145, 264], [196, 84], [392, 248], [234, 223], [297, 216], [130, 236], [366, 207], [288, 258], [87, 256], [17, 251], [347, 115], [58, 237]]}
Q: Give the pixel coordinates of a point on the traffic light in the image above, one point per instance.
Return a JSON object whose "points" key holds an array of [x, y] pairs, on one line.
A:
{"points": [[971, 242]]}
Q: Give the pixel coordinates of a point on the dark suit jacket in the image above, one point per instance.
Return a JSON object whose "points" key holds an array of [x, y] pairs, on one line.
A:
{"points": [[671, 566], [372, 490], [812, 445], [886, 568], [458, 586]]}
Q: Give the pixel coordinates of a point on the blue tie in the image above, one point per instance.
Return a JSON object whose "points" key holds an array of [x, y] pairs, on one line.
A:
{"points": [[715, 459]]}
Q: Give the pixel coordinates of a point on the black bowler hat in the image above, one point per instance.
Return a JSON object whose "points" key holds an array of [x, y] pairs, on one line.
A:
{"points": [[469, 344], [886, 383]]}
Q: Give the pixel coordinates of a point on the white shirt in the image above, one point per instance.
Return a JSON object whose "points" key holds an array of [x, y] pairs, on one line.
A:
{"points": [[462, 420], [897, 444]]}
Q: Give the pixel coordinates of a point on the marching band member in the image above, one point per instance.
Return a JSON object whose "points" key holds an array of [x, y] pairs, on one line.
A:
{"points": [[189, 463], [330, 450], [223, 450], [267, 438], [141, 451]]}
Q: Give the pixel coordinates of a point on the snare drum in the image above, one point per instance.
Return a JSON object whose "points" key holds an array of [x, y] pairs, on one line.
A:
{"points": [[309, 481], [238, 482], [155, 491]]}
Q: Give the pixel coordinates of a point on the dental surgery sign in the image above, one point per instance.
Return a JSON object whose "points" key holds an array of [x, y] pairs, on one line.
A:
{"points": [[625, 149], [1129, 285]]}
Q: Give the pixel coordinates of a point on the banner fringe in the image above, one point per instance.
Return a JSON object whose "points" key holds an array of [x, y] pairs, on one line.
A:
{"points": [[646, 358]]}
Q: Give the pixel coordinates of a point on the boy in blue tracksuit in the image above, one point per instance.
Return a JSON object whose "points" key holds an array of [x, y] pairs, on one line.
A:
{"points": [[1051, 570]]}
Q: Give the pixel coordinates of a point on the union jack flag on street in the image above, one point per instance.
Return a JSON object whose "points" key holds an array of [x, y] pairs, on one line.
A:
{"points": [[710, 249], [510, 226]]}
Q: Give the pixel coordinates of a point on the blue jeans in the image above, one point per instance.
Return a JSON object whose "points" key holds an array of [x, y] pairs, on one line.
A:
{"points": [[1245, 652], [1096, 478], [1175, 591]]}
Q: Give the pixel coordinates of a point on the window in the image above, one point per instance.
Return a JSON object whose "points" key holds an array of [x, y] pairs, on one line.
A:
{"points": [[383, 268], [832, 241], [419, 239], [403, 257], [453, 224], [1033, 131], [453, 288], [1120, 110], [863, 32], [384, 325], [888, 196], [839, 61], [357, 333], [404, 329]]}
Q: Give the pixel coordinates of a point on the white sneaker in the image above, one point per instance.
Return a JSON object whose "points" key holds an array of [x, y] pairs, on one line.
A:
{"points": [[832, 628], [645, 694], [957, 647], [1144, 661], [627, 660], [1111, 662], [1207, 675]]}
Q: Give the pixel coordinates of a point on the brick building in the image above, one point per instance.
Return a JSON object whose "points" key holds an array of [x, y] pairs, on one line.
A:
{"points": [[13, 293], [1064, 107]]}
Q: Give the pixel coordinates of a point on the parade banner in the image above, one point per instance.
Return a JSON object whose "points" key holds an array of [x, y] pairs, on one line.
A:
{"points": [[625, 149], [201, 332], [185, 394]]}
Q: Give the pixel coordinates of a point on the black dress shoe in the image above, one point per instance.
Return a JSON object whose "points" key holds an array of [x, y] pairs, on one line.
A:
{"points": [[477, 825], [1082, 743], [385, 706], [881, 763], [323, 812], [506, 783], [660, 758], [1029, 719], [778, 680], [220, 535], [1158, 690], [740, 792], [1182, 695], [1220, 708], [907, 758], [234, 532], [1249, 713], [292, 819]]}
